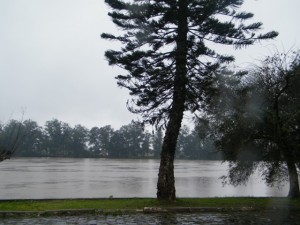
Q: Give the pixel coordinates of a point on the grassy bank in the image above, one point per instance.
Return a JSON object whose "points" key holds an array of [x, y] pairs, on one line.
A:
{"points": [[139, 203]]}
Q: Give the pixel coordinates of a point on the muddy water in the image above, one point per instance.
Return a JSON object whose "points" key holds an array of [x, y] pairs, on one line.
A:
{"points": [[38, 178]]}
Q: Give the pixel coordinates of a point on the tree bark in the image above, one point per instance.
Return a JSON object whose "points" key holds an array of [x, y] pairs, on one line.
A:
{"points": [[292, 172], [292, 169], [287, 153], [293, 180], [166, 180]]}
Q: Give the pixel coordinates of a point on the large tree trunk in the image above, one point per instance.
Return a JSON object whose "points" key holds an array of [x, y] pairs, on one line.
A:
{"points": [[293, 179], [287, 152], [292, 171], [166, 181]]}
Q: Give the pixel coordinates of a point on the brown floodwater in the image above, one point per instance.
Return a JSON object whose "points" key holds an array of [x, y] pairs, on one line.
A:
{"points": [[47, 178]]}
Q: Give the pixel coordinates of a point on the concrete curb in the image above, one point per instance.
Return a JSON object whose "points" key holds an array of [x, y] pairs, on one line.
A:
{"points": [[66, 212], [146, 210], [196, 209]]}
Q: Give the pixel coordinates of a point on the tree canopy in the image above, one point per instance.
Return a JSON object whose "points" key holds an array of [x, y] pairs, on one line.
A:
{"points": [[258, 126], [151, 44]]}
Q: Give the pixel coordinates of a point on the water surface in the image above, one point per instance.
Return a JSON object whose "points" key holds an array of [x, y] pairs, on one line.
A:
{"points": [[40, 178]]}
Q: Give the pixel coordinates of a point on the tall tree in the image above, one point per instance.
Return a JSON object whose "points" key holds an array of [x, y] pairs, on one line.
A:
{"points": [[169, 60], [78, 144], [99, 139], [94, 142], [277, 82], [31, 143], [130, 141], [259, 124], [117, 146], [58, 138]]}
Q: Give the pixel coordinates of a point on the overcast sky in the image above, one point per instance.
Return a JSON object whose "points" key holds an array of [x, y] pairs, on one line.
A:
{"points": [[52, 61]]}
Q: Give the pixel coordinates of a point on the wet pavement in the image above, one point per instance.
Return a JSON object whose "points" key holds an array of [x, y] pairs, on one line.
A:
{"points": [[270, 217]]}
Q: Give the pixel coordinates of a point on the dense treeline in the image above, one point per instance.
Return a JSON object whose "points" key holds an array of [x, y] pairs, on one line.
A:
{"points": [[59, 139]]}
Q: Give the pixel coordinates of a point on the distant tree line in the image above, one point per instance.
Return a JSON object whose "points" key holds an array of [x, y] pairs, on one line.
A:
{"points": [[59, 139]]}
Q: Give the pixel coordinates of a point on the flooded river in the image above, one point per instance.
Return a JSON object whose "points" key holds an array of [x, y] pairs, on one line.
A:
{"points": [[40, 178]]}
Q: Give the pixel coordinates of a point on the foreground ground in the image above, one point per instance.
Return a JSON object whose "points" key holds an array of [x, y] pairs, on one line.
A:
{"points": [[235, 218], [150, 211], [214, 211], [139, 204]]}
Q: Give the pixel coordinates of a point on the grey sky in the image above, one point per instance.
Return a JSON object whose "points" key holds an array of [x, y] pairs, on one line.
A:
{"points": [[52, 58]]}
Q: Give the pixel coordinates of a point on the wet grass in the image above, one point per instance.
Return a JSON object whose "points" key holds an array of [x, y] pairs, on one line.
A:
{"points": [[239, 202], [140, 203]]}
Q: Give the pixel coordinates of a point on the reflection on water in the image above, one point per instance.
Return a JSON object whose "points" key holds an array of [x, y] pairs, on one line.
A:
{"points": [[23, 178]]}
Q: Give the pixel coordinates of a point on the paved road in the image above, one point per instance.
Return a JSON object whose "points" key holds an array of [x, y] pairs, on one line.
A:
{"points": [[248, 218]]}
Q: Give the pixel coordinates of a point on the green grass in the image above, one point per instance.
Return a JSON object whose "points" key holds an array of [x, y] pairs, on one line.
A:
{"points": [[140, 203]]}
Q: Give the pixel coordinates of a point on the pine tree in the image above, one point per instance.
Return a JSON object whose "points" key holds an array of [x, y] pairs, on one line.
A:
{"points": [[169, 62]]}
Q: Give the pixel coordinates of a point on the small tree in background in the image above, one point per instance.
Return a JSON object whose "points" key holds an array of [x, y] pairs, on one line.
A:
{"points": [[170, 63], [10, 135]]}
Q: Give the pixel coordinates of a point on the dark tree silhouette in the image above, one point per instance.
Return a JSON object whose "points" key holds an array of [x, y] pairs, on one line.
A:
{"points": [[169, 61], [258, 126], [10, 135]]}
